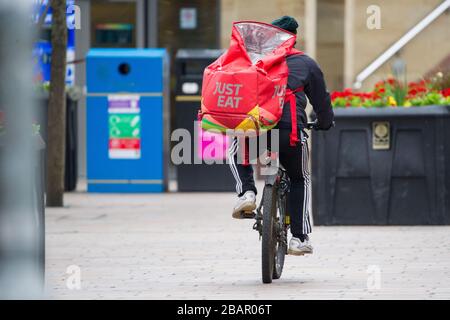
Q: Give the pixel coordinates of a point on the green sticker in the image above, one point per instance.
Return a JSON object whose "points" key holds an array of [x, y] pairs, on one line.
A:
{"points": [[124, 125]]}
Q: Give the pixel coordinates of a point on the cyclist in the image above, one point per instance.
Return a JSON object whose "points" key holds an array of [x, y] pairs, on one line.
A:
{"points": [[303, 72]]}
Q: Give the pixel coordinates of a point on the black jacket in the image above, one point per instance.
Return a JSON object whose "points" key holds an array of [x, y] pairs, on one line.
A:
{"points": [[305, 72]]}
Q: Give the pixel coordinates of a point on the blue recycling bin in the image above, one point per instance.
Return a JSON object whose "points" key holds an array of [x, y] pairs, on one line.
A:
{"points": [[127, 120]]}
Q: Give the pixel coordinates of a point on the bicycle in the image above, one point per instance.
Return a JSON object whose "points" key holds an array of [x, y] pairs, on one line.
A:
{"points": [[273, 222]]}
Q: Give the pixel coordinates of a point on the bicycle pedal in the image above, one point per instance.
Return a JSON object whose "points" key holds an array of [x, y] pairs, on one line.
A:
{"points": [[248, 215]]}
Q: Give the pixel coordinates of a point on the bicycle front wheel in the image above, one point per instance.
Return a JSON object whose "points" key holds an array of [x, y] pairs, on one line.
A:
{"points": [[281, 240], [268, 233]]}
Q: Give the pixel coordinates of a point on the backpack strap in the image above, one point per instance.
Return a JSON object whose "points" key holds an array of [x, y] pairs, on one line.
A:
{"points": [[290, 96]]}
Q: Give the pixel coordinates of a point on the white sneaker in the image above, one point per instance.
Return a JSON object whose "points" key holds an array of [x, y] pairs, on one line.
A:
{"points": [[299, 248], [245, 203]]}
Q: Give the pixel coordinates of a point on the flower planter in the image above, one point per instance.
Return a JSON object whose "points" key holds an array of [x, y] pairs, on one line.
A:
{"points": [[383, 166]]}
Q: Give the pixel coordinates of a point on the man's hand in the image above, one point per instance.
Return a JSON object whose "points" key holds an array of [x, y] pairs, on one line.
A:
{"points": [[318, 126]]}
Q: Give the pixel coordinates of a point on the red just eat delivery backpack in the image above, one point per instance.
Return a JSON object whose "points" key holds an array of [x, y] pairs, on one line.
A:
{"points": [[245, 88]]}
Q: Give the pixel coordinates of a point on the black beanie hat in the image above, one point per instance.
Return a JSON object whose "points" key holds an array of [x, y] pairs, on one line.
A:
{"points": [[287, 23]]}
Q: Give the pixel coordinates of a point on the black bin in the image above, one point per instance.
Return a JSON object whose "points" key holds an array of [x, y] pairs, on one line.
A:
{"points": [[387, 166], [71, 161], [189, 67]]}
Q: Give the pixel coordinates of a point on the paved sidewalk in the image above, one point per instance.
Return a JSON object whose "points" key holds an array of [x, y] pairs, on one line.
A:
{"points": [[186, 246]]}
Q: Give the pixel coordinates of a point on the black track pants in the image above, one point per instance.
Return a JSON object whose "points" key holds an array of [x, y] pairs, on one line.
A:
{"points": [[295, 160]]}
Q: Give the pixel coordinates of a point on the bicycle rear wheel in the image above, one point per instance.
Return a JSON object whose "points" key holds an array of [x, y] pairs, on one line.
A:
{"points": [[268, 233]]}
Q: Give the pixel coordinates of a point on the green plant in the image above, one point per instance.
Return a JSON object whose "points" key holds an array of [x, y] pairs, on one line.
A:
{"points": [[42, 86], [398, 91]]}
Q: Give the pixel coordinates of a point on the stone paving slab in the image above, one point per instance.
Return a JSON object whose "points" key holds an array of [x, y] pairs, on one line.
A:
{"points": [[186, 246]]}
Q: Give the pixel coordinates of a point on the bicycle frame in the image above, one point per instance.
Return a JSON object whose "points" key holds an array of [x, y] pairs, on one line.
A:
{"points": [[281, 182]]}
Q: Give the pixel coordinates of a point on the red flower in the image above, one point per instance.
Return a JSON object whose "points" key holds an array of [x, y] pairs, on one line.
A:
{"points": [[419, 87], [446, 92], [379, 84], [335, 95], [391, 81]]}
